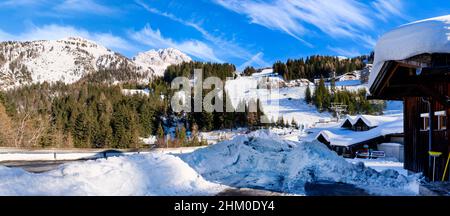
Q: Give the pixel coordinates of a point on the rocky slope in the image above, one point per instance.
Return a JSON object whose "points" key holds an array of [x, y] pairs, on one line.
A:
{"points": [[70, 59]]}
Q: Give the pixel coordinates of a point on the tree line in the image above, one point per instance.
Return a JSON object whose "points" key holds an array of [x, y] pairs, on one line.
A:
{"points": [[316, 66], [356, 101], [94, 114]]}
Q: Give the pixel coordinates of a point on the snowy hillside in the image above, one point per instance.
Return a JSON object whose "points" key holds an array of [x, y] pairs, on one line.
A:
{"points": [[70, 59], [158, 61], [288, 103]]}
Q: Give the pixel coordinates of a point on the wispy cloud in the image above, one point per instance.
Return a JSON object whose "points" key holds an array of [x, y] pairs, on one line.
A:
{"points": [[347, 52], [271, 15], [56, 32], [155, 39], [256, 60], [384, 9], [16, 3], [84, 6], [298, 18], [222, 46]]}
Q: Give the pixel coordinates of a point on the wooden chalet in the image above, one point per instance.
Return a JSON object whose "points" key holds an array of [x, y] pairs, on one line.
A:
{"points": [[347, 124], [422, 83], [361, 125], [412, 64]]}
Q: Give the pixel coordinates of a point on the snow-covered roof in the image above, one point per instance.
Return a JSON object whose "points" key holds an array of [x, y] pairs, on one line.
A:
{"points": [[425, 36], [350, 119], [338, 136], [369, 120], [374, 121]]}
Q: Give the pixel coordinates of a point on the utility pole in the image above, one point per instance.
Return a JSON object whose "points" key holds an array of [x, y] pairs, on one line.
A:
{"points": [[338, 108]]}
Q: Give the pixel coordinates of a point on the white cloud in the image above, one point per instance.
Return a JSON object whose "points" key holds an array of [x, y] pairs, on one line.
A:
{"points": [[388, 8], [337, 18], [56, 32], [271, 15], [222, 47], [155, 39], [256, 60], [84, 6], [345, 52]]}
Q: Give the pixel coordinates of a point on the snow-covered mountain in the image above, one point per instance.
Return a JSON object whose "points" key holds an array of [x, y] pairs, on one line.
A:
{"points": [[70, 59], [158, 60]]}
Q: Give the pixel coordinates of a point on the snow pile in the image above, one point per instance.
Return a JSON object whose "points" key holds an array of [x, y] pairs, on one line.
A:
{"points": [[150, 174], [263, 160], [381, 164], [425, 36]]}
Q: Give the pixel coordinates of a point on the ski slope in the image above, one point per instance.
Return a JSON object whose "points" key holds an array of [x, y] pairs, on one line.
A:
{"points": [[288, 103]]}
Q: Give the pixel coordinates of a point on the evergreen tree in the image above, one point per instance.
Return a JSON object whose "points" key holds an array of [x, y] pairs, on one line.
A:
{"points": [[207, 121], [333, 85], [6, 128], [82, 131], [249, 70], [182, 136], [293, 123], [308, 97], [160, 142]]}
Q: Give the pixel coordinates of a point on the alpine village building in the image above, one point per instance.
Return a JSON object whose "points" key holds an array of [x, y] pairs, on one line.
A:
{"points": [[412, 64]]}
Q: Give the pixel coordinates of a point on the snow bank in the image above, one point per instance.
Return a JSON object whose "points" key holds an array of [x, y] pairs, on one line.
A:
{"points": [[381, 164], [150, 174], [263, 160], [426, 36]]}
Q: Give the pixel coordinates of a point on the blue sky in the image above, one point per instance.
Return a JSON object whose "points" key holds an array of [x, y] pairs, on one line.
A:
{"points": [[251, 32]]}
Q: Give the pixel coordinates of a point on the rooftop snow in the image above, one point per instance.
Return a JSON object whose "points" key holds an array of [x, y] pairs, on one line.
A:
{"points": [[338, 136], [425, 36], [370, 120]]}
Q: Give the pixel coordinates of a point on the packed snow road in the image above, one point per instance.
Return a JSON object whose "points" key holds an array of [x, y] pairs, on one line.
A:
{"points": [[260, 160]]}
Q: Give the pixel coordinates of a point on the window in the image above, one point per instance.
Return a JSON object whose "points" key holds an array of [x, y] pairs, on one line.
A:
{"points": [[441, 120], [425, 122]]}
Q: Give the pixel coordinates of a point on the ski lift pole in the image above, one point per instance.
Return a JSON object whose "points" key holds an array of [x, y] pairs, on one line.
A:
{"points": [[434, 155], [446, 167]]}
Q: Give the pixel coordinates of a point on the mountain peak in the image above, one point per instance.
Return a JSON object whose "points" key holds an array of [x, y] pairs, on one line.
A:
{"points": [[72, 58], [159, 60]]}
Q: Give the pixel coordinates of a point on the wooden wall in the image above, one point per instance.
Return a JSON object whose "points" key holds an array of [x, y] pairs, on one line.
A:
{"points": [[416, 141]]}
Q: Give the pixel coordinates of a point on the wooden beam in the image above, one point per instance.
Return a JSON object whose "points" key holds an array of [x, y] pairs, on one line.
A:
{"points": [[420, 90], [386, 84], [375, 89], [409, 64], [442, 99]]}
